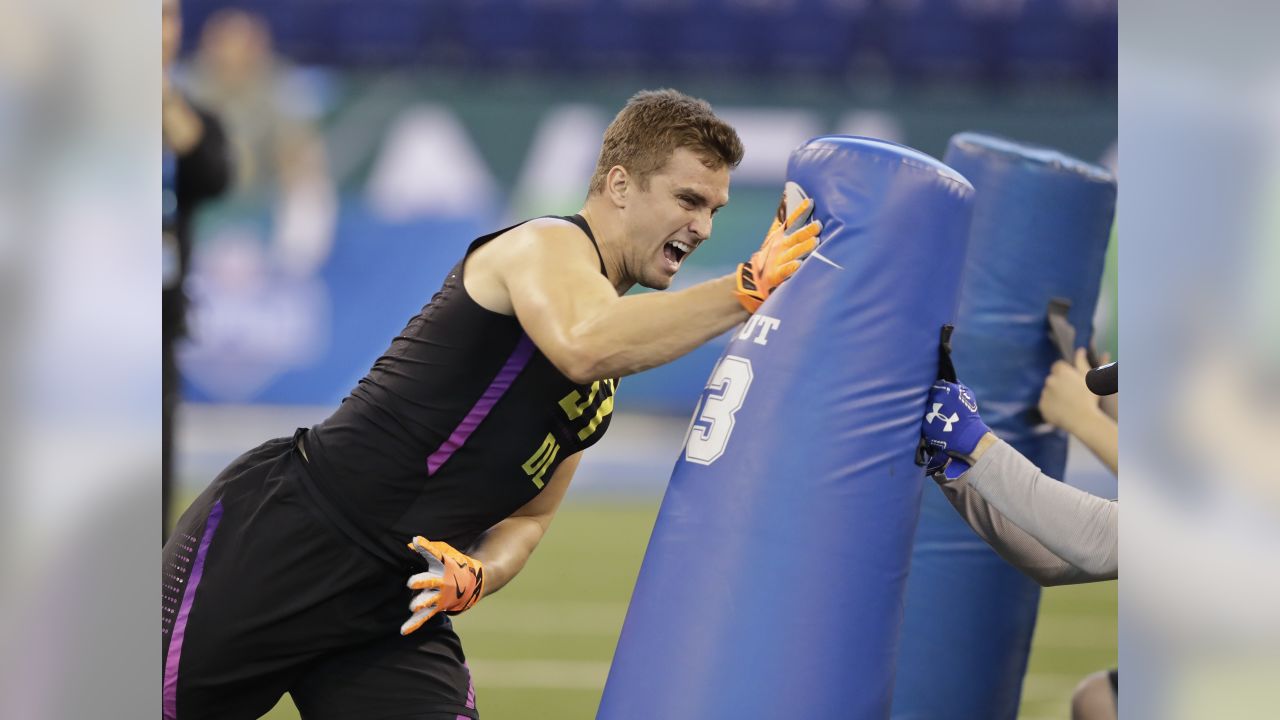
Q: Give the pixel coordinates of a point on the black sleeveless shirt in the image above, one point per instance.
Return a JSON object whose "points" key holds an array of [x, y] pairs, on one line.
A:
{"points": [[460, 423]]}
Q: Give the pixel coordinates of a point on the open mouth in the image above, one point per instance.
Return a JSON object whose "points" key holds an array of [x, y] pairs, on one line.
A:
{"points": [[675, 251]]}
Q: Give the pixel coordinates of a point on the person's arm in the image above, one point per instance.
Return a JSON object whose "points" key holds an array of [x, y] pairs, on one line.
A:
{"points": [[506, 547], [590, 333], [1110, 404], [576, 318], [181, 127], [455, 581], [1102, 436], [1074, 525], [1018, 547], [1067, 403]]}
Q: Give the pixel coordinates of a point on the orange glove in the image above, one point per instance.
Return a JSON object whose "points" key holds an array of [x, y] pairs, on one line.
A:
{"points": [[784, 248], [452, 583]]}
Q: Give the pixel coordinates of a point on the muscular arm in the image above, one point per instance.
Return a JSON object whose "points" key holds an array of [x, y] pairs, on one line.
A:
{"points": [[1073, 525], [505, 547], [576, 318]]}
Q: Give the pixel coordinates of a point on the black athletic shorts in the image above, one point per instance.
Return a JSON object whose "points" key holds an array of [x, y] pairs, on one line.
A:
{"points": [[263, 596]]}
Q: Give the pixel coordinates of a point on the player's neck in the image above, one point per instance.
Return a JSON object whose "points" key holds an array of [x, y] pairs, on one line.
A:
{"points": [[610, 238]]}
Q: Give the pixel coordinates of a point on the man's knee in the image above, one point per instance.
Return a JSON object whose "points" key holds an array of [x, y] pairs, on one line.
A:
{"points": [[1094, 698]]}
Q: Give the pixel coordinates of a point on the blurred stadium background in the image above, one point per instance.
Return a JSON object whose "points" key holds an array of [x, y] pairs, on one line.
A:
{"points": [[375, 138]]}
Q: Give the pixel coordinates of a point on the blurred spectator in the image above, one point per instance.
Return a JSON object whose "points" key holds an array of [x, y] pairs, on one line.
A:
{"points": [[196, 168], [279, 153]]}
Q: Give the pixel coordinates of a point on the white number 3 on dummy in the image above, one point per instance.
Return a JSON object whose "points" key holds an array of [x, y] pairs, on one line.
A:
{"points": [[713, 419]]}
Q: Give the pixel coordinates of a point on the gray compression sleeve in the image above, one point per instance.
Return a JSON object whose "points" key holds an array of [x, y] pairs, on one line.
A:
{"points": [[1074, 525], [1010, 542]]}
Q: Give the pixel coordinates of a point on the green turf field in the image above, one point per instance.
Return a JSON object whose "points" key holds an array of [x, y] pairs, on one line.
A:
{"points": [[541, 647]]}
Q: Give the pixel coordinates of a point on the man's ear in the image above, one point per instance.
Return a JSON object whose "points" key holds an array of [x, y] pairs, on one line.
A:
{"points": [[617, 185]]}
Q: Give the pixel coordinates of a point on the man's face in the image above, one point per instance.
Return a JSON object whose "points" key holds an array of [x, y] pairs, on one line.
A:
{"points": [[672, 217]]}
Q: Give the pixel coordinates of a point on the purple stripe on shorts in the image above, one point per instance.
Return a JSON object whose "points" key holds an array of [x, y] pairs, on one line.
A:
{"points": [[180, 625], [471, 688], [471, 693], [492, 394]]}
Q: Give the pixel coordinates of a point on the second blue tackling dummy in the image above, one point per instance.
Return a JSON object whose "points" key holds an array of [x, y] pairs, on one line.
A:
{"points": [[1040, 229], [773, 583]]}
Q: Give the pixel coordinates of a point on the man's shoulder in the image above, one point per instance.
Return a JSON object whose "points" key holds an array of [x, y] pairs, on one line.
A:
{"points": [[551, 235], [547, 227], [531, 252]]}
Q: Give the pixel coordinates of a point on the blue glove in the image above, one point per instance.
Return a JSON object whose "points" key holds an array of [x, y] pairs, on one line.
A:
{"points": [[952, 426]]}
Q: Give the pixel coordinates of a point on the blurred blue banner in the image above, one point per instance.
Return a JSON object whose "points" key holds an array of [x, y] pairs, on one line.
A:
{"points": [[264, 333], [991, 39]]}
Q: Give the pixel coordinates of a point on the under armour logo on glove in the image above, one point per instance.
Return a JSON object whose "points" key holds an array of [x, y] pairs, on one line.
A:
{"points": [[959, 428], [949, 420]]}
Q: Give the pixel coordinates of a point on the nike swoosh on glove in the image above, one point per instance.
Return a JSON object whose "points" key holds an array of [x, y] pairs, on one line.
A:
{"points": [[452, 583]]}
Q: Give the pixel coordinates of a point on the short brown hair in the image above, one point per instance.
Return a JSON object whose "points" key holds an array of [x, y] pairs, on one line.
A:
{"points": [[653, 125]]}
